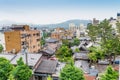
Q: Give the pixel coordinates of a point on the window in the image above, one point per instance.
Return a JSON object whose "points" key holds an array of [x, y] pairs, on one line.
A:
{"points": [[38, 34], [33, 34], [38, 39], [23, 43], [8, 37], [34, 46]]}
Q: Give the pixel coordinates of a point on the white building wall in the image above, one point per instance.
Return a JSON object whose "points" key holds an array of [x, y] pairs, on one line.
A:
{"points": [[2, 40]]}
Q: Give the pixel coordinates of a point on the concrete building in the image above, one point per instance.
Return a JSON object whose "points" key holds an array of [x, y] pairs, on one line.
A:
{"points": [[72, 27], [61, 33], [118, 17], [55, 35], [113, 22], [21, 37], [95, 22]]}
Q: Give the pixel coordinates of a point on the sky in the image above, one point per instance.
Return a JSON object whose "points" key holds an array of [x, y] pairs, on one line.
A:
{"points": [[55, 11]]}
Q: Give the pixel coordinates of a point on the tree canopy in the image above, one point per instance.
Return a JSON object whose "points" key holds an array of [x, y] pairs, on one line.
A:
{"points": [[42, 41], [64, 53], [70, 72], [66, 42], [5, 68], [21, 71], [109, 39], [77, 50], [49, 77], [92, 32], [76, 41], [109, 74], [1, 48]]}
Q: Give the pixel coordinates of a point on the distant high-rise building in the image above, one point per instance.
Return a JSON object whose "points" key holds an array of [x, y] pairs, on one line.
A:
{"points": [[21, 37], [118, 17], [95, 22], [72, 27]]}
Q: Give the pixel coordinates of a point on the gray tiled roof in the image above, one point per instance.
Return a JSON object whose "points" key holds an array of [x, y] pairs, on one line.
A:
{"points": [[32, 58], [48, 51], [8, 56], [81, 56], [46, 66], [51, 40]]}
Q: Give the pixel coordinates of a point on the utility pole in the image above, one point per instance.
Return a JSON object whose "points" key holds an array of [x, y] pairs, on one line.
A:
{"points": [[25, 48]]}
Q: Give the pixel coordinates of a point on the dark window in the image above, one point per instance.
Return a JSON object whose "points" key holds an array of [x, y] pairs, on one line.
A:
{"points": [[33, 34], [23, 43], [8, 37], [38, 39], [38, 34], [33, 46]]}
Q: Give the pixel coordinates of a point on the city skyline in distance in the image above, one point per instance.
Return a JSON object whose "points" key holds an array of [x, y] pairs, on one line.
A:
{"points": [[56, 11]]}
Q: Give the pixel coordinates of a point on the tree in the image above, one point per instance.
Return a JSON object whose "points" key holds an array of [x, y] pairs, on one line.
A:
{"points": [[49, 77], [92, 32], [66, 42], [64, 53], [77, 50], [109, 74], [118, 27], [92, 56], [110, 42], [70, 72], [112, 48], [105, 30], [11, 77], [42, 41], [76, 41], [21, 71], [95, 54], [108, 39], [1, 48], [5, 68]]}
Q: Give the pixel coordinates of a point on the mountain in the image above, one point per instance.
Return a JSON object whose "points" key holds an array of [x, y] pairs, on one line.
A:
{"points": [[9, 23], [66, 23], [62, 24]]}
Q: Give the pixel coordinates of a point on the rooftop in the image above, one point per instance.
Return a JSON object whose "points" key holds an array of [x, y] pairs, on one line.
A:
{"points": [[32, 58], [8, 56], [59, 67], [83, 56], [51, 40], [46, 66], [48, 51], [88, 77]]}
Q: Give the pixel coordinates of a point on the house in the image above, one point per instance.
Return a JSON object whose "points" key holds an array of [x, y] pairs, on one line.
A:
{"points": [[81, 56], [53, 44], [31, 59], [89, 73], [45, 68]]}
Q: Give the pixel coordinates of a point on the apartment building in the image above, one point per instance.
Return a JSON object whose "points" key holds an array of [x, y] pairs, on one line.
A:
{"points": [[21, 37], [61, 33]]}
